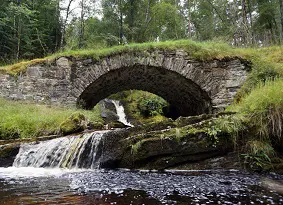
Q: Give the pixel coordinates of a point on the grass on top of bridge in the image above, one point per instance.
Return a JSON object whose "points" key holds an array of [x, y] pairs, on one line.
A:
{"points": [[202, 51], [197, 50]]}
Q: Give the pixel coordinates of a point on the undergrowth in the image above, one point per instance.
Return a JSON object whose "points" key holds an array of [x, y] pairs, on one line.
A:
{"points": [[263, 109]]}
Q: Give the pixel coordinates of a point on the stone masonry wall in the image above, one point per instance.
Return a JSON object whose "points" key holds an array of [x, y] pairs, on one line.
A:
{"points": [[67, 79]]}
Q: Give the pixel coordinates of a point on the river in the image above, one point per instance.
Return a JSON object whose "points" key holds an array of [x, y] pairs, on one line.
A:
{"points": [[98, 186]]}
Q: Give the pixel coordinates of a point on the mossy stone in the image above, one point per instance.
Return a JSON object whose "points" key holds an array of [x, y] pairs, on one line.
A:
{"points": [[75, 123]]}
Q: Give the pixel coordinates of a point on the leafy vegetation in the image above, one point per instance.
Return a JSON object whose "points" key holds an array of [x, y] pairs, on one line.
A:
{"points": [[21, 120], [263, 109], [142, 106]]}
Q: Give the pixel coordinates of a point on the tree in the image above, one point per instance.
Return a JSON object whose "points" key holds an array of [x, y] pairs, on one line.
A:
{"points": [[27, 30], [68, 12], [281, 17]]}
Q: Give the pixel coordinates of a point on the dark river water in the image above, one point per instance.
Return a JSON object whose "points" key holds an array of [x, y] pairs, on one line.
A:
{"points": [[55, 186]]}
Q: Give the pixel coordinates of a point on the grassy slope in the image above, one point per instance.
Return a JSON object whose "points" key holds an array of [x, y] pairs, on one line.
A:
{"points": [[19, 119]]}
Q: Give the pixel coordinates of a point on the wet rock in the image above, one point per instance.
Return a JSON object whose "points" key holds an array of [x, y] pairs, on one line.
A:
{"points": [[272, 185], [8, 154], [116, 125], [160, 149], [108, 111], [183, 121]]}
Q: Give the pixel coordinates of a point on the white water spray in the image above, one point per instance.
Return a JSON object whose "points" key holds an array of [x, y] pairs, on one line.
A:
{"points": [[65, 152], [121, 113]]}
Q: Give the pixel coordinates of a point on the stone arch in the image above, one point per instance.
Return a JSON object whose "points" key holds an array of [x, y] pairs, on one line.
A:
{"points": [[186, 96], [192, 86]]}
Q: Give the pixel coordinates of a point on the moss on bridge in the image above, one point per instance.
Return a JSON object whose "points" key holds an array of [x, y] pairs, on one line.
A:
{"points": [[198, 50], [201, 51]]}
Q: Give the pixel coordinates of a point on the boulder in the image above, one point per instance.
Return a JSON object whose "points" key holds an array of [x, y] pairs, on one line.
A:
{"points": [[75, 123], [8, 154]]}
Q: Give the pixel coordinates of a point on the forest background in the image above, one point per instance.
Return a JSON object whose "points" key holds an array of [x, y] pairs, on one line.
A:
{"points": [[36, 28]]}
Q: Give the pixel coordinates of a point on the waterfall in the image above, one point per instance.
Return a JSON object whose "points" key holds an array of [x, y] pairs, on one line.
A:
{"points": [[121, 113], [66, 152]]}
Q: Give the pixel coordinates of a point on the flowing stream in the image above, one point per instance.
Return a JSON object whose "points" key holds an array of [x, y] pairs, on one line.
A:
{"points": [[66, 171], [121, 113], [65, 152]]}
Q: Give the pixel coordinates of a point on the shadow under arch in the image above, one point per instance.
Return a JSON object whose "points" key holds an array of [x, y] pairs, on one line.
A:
{"points": [[186, 96]]}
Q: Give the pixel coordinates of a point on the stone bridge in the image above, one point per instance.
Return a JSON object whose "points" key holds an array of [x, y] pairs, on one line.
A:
{"points": [[192, 86]]}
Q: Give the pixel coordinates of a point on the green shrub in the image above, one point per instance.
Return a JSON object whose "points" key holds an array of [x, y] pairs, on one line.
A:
{"points": [[259, 155], [152, 106]]}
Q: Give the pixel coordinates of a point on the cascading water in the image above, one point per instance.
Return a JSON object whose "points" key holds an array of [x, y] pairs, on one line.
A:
{"points": [[121, 113], [66, 152]]}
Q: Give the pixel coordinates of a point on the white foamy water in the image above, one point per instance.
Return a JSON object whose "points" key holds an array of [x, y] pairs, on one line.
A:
{"points": [[121, 113], [31, 172], [64, 152]]}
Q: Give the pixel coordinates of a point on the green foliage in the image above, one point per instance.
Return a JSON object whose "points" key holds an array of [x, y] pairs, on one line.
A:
{"points": [[152, 106], [24, 120], [213, 131], [143, 106], [232, 125], [259, 155], [135, 147], [27, 30], [166, 23]]}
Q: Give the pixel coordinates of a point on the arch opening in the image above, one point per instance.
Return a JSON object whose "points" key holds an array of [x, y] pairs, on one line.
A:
{"points": [[185, 97]]}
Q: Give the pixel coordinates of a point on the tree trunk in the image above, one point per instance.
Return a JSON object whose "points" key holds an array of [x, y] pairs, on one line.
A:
{"points": [[244, 21], [281, 12], [147, 12], [65, 24], [18, 33], [251, 21], [189, 19], [131, 19], [18, 40], [121, 22], [81, 35]]}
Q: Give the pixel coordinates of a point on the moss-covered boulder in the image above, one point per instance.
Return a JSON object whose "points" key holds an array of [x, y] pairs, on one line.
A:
{"points": [[116, 125], [75, 123], [167, 148]]}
